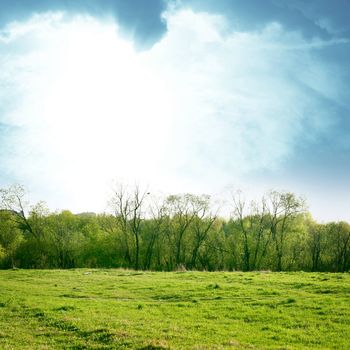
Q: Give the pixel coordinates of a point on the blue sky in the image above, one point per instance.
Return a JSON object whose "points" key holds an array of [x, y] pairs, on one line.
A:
{"points": [[196, 95]]}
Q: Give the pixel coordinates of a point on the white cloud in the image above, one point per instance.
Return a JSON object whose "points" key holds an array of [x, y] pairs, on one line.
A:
{"points": [[201, 108], [241, 103]]}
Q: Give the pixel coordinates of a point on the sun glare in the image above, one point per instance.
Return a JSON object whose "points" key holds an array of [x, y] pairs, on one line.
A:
{"points": [[102, 106]]}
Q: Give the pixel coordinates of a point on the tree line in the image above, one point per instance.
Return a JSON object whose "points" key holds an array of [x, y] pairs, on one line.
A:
{"points": [[183, 231]]}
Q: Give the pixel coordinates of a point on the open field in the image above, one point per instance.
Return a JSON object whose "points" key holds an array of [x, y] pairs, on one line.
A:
{"points": [[119, 309]]}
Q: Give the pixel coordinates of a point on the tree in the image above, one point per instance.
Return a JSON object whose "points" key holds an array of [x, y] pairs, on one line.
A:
{"points": [[253, 223], [128, 208], [65, 238], [156, 227], [282, 209], [316, 244], [339, 241], [182, 209], [10, 238], [29, 221], [202, 223], [13, 200]]}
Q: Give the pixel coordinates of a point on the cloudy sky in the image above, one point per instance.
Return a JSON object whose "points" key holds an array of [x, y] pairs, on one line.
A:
{"points": [[183, 96]]}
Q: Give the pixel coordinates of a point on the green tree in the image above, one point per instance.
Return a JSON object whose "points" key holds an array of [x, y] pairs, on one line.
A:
{"points": [[339, 238], [64, 238], [10, 238]]}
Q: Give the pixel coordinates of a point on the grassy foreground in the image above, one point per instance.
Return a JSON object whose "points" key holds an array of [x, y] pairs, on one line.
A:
{"points": [[118, 309]]}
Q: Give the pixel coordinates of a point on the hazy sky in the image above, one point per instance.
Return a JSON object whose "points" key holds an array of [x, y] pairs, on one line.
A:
{"points": [[183, 96]]}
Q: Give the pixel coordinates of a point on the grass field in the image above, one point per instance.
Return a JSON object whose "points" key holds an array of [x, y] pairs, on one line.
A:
{"points": [[119, 309]]}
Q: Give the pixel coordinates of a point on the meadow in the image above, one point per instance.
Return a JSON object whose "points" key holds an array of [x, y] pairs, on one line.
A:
{"points": [[124, 309]]}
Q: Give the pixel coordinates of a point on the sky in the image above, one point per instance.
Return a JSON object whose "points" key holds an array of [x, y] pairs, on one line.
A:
{"points": [[200, 96]]}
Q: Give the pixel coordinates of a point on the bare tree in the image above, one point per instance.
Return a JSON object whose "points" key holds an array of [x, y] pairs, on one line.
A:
{"points": [[128, 208], [13, 200], [202, 224], [158, 224], [239, 212], [282, 208], [183, 209], [252, 220]]}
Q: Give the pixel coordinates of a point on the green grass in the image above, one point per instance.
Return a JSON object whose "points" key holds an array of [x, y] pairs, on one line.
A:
{"points": [[119, 309]]}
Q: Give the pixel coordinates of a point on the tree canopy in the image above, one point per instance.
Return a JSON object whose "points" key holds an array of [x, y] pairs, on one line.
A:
{"points": [[181, 231]]}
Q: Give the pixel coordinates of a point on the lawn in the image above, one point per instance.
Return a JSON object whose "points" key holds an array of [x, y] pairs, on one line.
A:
{"points": [[120, 309]]}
